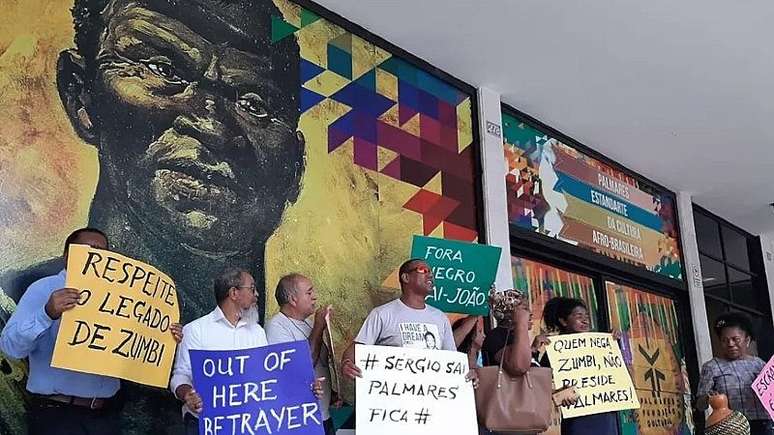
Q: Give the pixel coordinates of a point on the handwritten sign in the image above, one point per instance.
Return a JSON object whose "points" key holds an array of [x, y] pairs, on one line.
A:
{"points": [[763, 386], [591, 363], [120, 326], [265, 390], [463, 273], [413, 391]]}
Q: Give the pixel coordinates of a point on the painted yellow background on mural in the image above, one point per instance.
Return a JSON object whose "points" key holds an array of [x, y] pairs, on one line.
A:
{"points": [[47, 175]]}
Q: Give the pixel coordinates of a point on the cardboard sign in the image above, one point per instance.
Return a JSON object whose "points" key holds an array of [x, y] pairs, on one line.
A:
{"points": [[591, 363], [265, 390], [413, 391], [763, 386], [463, 273], [120, 326]]}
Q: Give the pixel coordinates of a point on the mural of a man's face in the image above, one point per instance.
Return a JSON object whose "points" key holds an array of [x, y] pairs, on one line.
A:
{"points": [[196, 129]]}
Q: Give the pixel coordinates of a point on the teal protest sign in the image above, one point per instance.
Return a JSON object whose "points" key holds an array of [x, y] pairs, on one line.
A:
{"points": [[463, 273]]}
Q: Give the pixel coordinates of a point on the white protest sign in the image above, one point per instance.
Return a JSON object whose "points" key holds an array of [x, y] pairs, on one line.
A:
{"points": [[413, 391]]}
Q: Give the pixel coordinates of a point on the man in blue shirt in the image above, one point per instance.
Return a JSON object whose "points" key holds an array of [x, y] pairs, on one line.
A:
{"points": [[65, 401]]}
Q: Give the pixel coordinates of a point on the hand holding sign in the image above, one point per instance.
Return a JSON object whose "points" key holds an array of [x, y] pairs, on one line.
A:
{"points": [[193, 401], [350, 370], [60, 301], [322, 315], [177, 332]]}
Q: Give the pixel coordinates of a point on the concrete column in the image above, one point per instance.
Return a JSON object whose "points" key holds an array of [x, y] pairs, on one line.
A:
{"points": [[701, 330], [494, 168]]}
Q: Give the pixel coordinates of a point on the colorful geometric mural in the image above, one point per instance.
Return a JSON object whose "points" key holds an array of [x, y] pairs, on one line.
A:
{"points": [[654, 350], [562, 193], [250, 133]]}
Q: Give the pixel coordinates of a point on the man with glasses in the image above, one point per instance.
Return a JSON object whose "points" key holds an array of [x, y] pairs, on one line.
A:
{"points": [[232, 325], [406, 321]]}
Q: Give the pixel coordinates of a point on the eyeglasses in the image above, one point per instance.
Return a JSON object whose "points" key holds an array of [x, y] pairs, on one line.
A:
{"points": [[251, 287], [420, 269]]}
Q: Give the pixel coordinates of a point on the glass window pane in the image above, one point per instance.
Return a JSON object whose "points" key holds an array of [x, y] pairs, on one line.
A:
{"points": [[651, 343], [707, 234], [742, 291], [735, 245], [714, 277], [757, 322], [763, 346], [543, 282]]}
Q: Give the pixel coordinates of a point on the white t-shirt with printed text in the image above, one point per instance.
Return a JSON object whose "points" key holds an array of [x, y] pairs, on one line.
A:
{"points": [[396, 324]]}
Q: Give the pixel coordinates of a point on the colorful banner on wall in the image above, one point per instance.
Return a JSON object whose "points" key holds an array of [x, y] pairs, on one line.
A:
{"points": [[120, 327], [654, 350], [562, 193], [462, 272]]}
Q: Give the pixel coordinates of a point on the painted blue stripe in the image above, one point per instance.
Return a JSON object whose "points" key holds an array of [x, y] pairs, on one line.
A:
{"points": [[583, 191]]}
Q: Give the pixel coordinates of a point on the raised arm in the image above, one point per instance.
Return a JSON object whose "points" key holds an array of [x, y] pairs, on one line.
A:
{"points": [[518, 355]]}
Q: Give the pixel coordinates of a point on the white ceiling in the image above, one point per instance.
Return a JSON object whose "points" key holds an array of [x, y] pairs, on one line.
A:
{"points": [[679, 91]]}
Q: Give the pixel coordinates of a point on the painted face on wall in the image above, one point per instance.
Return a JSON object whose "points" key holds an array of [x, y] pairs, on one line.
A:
{"points": [[196, 129]]}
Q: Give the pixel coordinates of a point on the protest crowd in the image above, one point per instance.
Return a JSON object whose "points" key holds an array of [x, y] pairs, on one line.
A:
{"points": [[414, 372]]}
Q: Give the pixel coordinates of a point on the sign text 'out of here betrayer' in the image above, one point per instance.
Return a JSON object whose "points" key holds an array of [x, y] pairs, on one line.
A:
{"points": [[263, 390]]}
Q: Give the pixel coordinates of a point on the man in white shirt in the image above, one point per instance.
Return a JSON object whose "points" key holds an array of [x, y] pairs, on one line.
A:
{"points": [[406, 321], [232, 325], [297, 299]]}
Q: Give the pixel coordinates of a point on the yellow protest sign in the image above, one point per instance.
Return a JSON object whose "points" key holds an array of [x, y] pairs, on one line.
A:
{"points": [[591, 363], [120, 326]]}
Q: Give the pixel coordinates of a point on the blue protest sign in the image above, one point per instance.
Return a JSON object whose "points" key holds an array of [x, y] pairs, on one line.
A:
{"points": [[266, 390]]}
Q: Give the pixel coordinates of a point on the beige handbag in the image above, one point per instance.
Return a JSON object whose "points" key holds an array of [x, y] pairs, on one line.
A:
{"points": [[520, 404]]}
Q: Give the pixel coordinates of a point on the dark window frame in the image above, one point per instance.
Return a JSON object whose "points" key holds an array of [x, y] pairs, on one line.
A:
{"points": [[760, 302], [757, 275]]}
